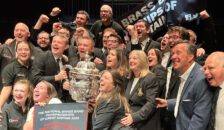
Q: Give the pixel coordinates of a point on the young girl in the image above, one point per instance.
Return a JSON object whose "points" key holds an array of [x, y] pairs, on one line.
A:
{"points": [[14, 115]]}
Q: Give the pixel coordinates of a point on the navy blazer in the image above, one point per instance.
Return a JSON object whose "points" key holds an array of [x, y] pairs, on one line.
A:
{"points": [[195, 102]]}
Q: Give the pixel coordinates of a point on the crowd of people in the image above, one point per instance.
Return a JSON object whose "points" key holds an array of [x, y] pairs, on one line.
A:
{"points": [[169, 83]]}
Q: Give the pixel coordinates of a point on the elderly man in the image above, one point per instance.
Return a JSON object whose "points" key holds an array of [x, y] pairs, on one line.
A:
{"points": [[106, 21], [214, 72], [193, 103]]}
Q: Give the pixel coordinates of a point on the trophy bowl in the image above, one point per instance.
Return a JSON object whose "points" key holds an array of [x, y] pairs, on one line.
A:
{"points": [[84, 80]]}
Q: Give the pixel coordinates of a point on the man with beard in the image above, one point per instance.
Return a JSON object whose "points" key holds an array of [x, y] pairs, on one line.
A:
{"points": [[106, 21]]}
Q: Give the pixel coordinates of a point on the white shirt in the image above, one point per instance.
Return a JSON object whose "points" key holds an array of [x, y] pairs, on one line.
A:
{"points": [[168, 78], [183, 79], [165, 59], [31, 111], [219, 113], [135, 81], [143, 43], [60, 62]]}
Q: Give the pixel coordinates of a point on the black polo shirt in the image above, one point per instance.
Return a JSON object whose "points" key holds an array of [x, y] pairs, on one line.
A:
{"points": [[13, 117], [15, 71]]}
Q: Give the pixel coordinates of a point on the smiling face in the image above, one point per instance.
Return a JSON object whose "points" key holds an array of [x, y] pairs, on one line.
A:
{"points": [[23, 52], [21, 32], [112, 43], [43, 39], [106, 82], [142, 30], [152, 58], [85, 46], [134, 62], [214, 69], [112, 59], [40, 93], [105, 13], [58, 45], [20, 93], [165, 43], [181, 59], [81, 20]]}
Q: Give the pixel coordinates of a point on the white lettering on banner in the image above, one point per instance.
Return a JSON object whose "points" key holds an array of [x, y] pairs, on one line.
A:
{"points": [[189, 17], [152, 13], [130, 19]]}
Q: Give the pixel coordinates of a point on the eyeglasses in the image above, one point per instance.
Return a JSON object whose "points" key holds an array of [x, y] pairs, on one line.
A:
{"points": [[104, 11], [113, 41], [174, 37]]}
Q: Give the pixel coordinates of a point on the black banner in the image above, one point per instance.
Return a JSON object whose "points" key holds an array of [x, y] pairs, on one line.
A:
{"points": [[164, 12]]}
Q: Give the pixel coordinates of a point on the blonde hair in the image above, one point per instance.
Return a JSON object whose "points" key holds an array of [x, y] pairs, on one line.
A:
{"points": [[29, 88], [144, 68]]}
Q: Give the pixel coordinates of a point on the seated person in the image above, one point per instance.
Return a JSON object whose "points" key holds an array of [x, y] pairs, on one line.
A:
{"points": [[111, 104], [14, 114], [44, 93]]}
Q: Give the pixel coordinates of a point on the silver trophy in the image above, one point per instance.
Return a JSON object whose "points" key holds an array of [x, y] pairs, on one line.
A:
{"points": [[84, 80]]}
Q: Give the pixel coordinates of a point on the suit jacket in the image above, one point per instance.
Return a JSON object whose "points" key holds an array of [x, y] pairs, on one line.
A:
{"points": [[45, 68], [168, 120], [161, 73], [74, 57], [108, 116], [142, 102], [195, 102], [149, 45]]}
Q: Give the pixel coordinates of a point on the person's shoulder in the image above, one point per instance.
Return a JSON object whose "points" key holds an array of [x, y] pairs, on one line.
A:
{"points": [[55, 101], [97, 22]]}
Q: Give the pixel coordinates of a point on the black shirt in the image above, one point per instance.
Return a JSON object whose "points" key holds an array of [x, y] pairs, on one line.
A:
{"points": [[13, 72], [13, 117]]}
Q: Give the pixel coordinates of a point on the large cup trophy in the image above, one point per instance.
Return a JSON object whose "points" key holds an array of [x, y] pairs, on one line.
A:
{"points": [[84, 80]]}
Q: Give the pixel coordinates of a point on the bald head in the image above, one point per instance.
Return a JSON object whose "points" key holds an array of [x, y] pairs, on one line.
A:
{"points": [[217, 57], [21, 32], [214, 68], [107, 7]]}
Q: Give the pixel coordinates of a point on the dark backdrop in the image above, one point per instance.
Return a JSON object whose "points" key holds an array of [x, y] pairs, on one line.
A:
{"points": [[28, 11]]}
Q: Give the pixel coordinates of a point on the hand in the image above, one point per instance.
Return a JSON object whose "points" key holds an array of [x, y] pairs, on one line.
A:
{"points": [[55, 11], [132, 31], [65, 58], [66, 85], [127, 121], [57, 26], [42, 104], [98, 61], [61, 75], [204, 14], [200, 52], [8, 41], [161, 102], [44, 18]]}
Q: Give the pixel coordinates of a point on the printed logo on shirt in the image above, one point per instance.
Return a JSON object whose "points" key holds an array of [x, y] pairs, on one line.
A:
{"points": [[7, 56], [21, 75], [14, 121]]}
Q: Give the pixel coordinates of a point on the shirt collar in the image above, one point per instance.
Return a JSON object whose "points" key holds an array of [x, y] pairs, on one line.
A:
{"points": [[145, 41], [222, 85], [187, 73]]}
